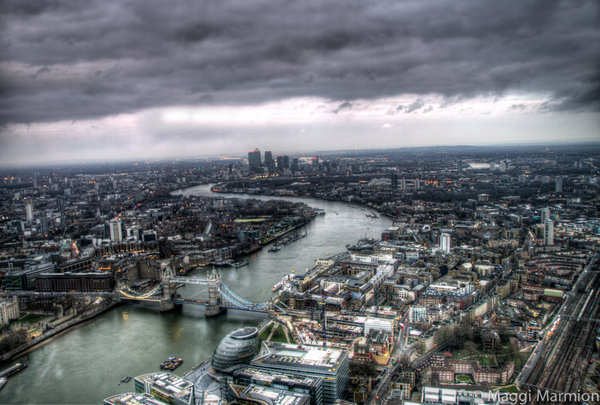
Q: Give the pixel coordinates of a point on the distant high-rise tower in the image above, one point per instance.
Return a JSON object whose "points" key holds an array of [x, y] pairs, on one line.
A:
{"points": [[558, 185], [445, 243], [44, 224], [295, 165], [459, 166], [29, 210], [394, 178], [116, 234], [254, 160], [268, 158], [545, 215], [549, 233], [283, 162]]}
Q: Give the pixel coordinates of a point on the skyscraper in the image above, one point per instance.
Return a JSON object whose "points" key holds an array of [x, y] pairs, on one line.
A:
{"points": [[445, 243], [558, 185], [549, 233], [545, 215], [115, 230], [268, 158], [295, 165], [29, 210], [283, 162], [254, 160]]}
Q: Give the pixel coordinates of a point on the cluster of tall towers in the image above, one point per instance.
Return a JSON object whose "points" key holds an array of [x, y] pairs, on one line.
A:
{"points": [[279, 164]]}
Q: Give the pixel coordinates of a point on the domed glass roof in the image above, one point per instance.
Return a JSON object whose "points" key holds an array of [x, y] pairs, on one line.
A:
{"points": [[236, 348]]}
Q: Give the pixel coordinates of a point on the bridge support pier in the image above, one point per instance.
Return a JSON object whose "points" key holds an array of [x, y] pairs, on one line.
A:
{"points": [[166, 305], [214, 296], [166, 302], [214, 310]]}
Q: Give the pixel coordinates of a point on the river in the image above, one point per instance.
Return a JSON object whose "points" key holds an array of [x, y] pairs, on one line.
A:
{"points": [[85, 365]]}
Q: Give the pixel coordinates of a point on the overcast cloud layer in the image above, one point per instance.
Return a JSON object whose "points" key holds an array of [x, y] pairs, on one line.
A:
{"points": [[125, 65]]}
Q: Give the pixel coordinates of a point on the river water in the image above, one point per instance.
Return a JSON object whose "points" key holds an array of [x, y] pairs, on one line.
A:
{"points": [[85, 365]]}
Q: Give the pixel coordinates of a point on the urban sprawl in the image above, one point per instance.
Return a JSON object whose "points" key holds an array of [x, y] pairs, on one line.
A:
{"points": [[484, 290]]}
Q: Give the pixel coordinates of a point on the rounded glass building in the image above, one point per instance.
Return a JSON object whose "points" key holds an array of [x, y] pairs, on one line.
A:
{"points": [[238, 347]]}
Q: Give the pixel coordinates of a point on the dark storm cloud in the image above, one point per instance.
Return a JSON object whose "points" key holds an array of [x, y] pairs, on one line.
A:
{"points": [[79, 59]]}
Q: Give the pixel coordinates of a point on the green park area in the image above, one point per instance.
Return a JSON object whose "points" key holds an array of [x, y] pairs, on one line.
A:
{"points": [[249, 220]]}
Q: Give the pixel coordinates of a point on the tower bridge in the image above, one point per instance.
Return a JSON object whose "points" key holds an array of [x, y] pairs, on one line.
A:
{"points": [[219, 296]]}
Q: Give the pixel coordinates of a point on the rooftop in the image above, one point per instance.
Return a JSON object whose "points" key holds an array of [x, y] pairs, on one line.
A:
{"points": [[130, 398], [290, 355], [169, 384]]}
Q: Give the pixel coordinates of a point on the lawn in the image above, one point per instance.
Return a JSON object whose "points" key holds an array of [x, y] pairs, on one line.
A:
{"points": [[32, 318], [486, 361], [510, 388], [463, 378], [279, 335]]}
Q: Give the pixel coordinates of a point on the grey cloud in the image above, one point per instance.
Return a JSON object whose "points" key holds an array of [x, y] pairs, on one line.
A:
{"points": [[344, 106], [418, 103], [517, 107], [108, 57]]}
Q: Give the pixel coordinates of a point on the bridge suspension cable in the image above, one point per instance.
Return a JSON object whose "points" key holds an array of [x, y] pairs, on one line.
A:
{"points": [[126, 291], [236, 300]]}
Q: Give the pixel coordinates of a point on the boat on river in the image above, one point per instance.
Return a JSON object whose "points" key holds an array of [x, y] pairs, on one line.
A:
{"points": [[171, 363], [13, 370]]}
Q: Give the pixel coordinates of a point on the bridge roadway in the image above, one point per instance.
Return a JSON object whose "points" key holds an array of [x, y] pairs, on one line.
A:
{"points": [[228, 298], [559, 362], [44, 294]]}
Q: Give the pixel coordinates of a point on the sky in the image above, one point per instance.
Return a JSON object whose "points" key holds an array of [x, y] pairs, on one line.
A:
{"points": [[148, 79]]}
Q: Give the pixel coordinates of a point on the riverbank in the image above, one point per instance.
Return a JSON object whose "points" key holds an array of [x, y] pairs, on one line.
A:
{"points": [[63, 328], [349, 203]]}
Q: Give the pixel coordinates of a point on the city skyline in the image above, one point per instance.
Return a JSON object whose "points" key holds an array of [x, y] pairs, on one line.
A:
{"points": [[108, 81]]}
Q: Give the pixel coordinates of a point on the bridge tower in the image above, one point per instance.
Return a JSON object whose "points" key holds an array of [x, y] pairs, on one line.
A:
{"points": [[214, 295], [166, 301]]}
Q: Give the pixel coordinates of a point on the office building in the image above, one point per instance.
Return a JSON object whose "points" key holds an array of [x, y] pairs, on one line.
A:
{"points": [[236, 348], [254, 160], [549, 233], [295, 165], [434, 395], [130, 398], [83, 282], [166, 387], [29, 210], [268, 158], [445, 243], [558, 185], [116, 234], [311, 387], [267, 396], [283, 163], [331, 365], [25, 279], [545, 215]]}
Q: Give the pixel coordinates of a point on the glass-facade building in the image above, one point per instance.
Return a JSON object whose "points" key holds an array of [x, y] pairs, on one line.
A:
{"points": [[236, 348]]}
